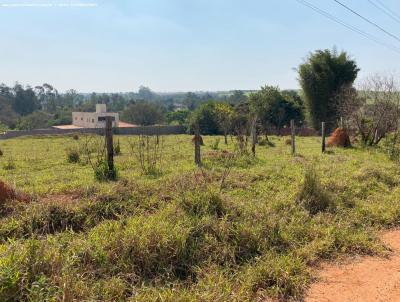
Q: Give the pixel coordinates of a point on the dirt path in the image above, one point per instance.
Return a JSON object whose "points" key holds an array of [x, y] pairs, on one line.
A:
{"points": [[370, 279]]}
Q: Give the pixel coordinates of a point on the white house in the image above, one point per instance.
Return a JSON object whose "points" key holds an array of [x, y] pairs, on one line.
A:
{"points": [[94, 119]]}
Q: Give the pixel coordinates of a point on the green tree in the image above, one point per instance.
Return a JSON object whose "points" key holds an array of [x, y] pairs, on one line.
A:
{"points": [[321, 77], [25, 100], [237, 97], [274, 108], [143, 113], [225, 114], [179, 117], [35, 120], [7, 115], [145, 93], [206, 118]]}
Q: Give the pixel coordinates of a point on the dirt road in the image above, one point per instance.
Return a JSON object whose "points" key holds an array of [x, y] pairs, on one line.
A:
{"points": [[369, 279]]}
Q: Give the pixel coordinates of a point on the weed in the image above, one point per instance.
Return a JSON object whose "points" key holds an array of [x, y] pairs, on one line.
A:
{"points": [[312, 195], [215, 144], [73, 155], [102, 172], [117, 148], [149, 151]]}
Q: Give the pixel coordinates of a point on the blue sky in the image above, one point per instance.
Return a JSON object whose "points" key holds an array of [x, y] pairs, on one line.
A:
{"points": [[181, 45]]}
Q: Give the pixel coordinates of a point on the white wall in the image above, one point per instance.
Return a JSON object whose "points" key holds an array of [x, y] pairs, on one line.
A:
{"points": [[91, 119]]}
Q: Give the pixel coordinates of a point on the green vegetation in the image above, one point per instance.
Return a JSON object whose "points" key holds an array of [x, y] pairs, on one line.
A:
{"points": [[241, 229], [321, 77], [277, 109]]}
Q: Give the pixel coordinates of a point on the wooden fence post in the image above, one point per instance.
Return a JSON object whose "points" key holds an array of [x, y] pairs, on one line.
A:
{"points": [[341, 122], [293, 141], [197, 151], [323, 137], [109, 143]]}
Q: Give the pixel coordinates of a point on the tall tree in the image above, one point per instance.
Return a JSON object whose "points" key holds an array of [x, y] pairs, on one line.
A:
{"points": [[321, 77], [237, 97], [25, 101], [143, 113], [225, 114], [206, 118], [274, 108]]}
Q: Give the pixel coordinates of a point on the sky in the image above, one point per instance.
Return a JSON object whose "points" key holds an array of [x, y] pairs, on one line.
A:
{"points": [[182, 45]]}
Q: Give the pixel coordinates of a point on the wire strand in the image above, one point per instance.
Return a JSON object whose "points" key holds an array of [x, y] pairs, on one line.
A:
{"points": [[385, 11], [367, 20], [348, 26]]}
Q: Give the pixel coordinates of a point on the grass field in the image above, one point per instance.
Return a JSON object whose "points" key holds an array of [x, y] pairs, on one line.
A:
{"points": [[243, 233]]}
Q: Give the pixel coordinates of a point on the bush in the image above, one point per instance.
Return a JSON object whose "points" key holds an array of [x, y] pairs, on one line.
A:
{"points": [[75, 137], [288, 141], [391, 146], [1, 152], [201, 204], [312, 195], [73, 155], [103, 173]]}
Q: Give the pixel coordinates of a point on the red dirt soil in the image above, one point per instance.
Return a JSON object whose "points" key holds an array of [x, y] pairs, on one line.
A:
{"points": [[369, 279], [339, 138]]}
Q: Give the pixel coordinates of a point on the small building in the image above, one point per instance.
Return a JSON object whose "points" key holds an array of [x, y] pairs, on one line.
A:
{"points": [[94, 119]]}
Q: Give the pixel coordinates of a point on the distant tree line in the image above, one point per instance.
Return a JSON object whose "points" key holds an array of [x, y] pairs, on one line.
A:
{"points": [[327, 95]]}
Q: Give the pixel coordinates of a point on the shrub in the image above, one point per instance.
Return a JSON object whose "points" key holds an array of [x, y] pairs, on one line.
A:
{"points": [[201, 204], [312, 195], [73, 155], [149, 152], [75, 137], [288, 141], [1, 152], [102, 172], [391, 146]]}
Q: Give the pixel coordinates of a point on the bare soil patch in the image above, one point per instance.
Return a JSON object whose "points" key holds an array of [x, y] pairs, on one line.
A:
{"points": [[368, 279]]}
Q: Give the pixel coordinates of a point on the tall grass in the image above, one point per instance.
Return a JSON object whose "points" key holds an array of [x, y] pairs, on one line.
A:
{"points": [[178, 237]]}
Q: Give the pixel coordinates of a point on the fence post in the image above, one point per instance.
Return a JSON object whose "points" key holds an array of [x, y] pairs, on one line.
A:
{"points": [[323, 137], [341, 122], [197, 152], [109, 143], [293, 137]]}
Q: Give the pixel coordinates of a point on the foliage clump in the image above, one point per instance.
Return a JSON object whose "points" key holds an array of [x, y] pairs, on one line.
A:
{"points": [[103, 172], [322, 76], [312, 195], [73, 155]]}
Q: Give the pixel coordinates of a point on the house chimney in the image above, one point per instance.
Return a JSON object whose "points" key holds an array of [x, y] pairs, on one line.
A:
{"points": [[101, 108]]}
